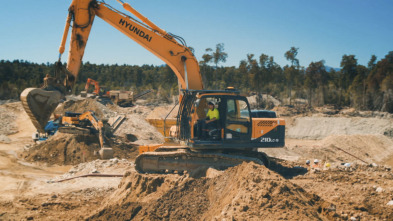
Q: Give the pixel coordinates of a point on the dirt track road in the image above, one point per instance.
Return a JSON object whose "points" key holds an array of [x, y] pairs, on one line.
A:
{"points": [[15, 175]]}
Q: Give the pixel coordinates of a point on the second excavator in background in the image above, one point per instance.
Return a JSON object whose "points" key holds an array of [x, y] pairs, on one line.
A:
{"points": [[119, 97], [84, 124], [98, 90], [236, 135]]}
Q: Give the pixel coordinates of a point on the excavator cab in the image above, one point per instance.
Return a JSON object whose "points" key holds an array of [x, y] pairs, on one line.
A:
{"points": [[235, 128], [234, 125]]}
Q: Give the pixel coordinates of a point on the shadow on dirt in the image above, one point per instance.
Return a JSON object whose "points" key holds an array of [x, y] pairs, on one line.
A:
{"points": [[288, 172]]}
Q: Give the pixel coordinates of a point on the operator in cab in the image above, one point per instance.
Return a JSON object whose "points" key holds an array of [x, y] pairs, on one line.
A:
{"points": [[205, 125], [212, 115]]}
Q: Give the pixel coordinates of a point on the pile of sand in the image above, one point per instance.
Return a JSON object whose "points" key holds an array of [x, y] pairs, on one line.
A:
{"points": [[369, 148], [81, 106], [244, 192], [321, 127], [162, 111], [70, 149], [8, 116], [137, 130], [337, 149]]}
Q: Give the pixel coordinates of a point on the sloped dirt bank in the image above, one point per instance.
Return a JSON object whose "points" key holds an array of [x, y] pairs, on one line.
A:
{"points": [[245, 192], [320, 127]]}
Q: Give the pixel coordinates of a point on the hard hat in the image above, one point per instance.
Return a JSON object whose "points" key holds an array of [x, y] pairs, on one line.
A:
{"points": [[210, 103], [307, 161], [316, 161], [327, 164]]}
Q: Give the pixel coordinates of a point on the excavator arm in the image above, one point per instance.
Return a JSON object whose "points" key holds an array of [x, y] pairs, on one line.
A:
{"points": [[96, 86], [97, 124], [169, 48]]}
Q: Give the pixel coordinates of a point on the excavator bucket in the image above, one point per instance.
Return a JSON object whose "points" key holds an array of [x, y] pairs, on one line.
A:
{"points": [[39, 104]]}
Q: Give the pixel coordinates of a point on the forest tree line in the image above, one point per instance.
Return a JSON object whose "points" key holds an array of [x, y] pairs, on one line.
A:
{"points": [[353, 85]]}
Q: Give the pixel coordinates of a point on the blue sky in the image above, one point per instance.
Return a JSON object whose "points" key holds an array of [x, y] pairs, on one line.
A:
{"points": [[321, 29]]}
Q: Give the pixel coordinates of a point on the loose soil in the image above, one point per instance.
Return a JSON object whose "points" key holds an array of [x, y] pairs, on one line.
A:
{"points": [[69, 149], [246, 192]]}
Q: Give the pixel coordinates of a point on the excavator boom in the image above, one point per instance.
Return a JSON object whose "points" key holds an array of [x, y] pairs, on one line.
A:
{"points": [[41, 102]]}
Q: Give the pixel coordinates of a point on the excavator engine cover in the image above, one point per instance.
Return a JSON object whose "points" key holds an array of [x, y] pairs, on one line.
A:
{"points": [[39, 104]]}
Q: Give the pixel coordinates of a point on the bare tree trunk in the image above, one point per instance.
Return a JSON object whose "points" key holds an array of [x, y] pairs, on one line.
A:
{"points": [[364, 95], [290, 93]]}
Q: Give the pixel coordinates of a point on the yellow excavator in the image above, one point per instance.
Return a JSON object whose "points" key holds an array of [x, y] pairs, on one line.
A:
{"points": [[79, 123], [235, 135]]}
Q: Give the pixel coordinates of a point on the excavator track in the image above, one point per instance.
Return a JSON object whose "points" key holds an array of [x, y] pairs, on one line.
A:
{"points": [[39, 104], [180, 160]]}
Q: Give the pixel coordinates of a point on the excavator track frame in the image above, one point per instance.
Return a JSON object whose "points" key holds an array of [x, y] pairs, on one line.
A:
{"points": [[75, 130], [181, 159]]}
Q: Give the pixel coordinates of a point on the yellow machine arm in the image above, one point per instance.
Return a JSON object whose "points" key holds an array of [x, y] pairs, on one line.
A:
{"points": [[165, 46], [40, 103], [87, 116]]}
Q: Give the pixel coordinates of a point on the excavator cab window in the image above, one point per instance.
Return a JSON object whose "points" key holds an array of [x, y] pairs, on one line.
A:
{"points": [[202, 130], [202, 105], [238, 121]]}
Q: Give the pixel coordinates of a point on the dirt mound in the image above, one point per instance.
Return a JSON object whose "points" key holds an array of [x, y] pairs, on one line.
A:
{"points": [[163, 111], [69, 149], [8, 116], [137, 130], [360, 192], [81, 106], [361, 149], [136, 191], [245, 192], [321, 127], [369, 148]]}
